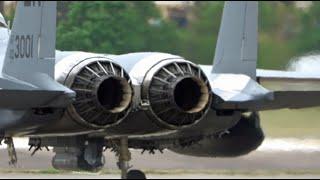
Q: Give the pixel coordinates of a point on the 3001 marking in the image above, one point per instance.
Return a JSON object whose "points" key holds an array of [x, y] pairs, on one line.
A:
{"points": [[24, 46]]}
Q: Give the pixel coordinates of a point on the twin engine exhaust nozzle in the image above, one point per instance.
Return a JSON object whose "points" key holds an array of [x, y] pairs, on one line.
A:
{"points": [[177, 93]]}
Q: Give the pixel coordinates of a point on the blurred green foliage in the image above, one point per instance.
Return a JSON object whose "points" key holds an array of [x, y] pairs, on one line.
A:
{"points": [[115, 27], [197, 41], [285, 31]]}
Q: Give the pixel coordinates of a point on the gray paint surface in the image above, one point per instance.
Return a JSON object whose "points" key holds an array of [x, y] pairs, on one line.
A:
{"points": [[236, 49], [31, 47]]}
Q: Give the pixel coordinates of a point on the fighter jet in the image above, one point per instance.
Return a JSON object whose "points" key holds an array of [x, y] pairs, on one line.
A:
{"points": [[81, 103]]}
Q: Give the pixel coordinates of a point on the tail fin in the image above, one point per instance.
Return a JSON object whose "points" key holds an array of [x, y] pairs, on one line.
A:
{"points": [[236, 50], [31, 47]]}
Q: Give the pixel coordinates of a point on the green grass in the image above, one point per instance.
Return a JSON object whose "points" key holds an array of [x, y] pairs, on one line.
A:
{"points": [[292, 123], [32, 171]]}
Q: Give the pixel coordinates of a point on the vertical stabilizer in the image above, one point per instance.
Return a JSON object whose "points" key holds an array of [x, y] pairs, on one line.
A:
{"points": [[237, 47], [31, 47]]}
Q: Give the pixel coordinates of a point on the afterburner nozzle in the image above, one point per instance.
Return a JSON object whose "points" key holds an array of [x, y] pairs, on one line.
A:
{"points": [[178, 93], [104, 93]]}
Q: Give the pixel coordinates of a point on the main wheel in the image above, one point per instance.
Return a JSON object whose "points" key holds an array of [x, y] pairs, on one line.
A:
{"points": [[136, 174], [95, 167]]}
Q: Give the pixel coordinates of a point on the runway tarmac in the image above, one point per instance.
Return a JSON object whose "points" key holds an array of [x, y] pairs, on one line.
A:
{"points": [[150, 176], [276, 158]]}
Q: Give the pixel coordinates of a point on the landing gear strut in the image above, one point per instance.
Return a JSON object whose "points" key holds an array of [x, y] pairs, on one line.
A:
{"points": [[11, 151], [124, 157], [123, 163]]}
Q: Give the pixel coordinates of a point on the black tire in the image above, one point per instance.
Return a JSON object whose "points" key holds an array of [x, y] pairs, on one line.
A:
{"points": [[85, 166], [136, 174]]}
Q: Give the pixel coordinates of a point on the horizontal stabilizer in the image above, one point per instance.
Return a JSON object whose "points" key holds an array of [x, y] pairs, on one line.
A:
{"points": [[17, 94], [23, 99], [274, 90], [281, 100], [238, 88]]}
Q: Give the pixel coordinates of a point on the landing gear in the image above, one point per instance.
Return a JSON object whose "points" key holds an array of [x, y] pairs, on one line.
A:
{"points": [[83, 153], [11, 151], [93, 155], [124, 157], [123, 163]]}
